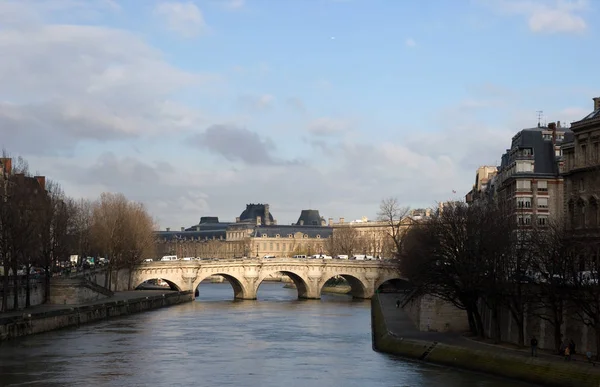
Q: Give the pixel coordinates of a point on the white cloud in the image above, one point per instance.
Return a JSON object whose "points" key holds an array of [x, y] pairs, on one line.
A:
{"points": [[325, 126], [543, 16], [185, 19], [256, 102], [410, 42], [235, 4]]}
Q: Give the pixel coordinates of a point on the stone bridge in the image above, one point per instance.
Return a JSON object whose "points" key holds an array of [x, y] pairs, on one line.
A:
{"points": [[245, 276]]}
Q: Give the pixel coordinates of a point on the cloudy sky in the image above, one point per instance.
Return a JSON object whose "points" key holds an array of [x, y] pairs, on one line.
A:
{"points": [[199, 107]]}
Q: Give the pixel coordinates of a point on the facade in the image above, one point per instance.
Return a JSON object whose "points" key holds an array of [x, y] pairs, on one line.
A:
{"points": [[528, 182], [254, 233], [484, 179], [581, 173]]}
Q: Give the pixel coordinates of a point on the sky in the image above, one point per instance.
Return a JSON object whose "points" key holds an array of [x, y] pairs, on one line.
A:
{"points": [[196, 108]]}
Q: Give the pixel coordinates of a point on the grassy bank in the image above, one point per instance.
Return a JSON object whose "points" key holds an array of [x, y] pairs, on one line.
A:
{"points": [[546, 371]]}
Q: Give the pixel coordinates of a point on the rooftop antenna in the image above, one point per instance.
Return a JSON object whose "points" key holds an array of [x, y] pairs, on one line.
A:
{"points": [[540, 114]]}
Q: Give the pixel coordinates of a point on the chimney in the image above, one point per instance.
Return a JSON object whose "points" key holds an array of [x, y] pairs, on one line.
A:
{"points": [[197, 228], [258, 220], [558, 124], [301, 223], [596, 103], [552, 127], [275, 222], [168, 229], [237, 219], [266, 218], [183, 229], [330, 222], [41, 181], [7, 165], [341, 220]]}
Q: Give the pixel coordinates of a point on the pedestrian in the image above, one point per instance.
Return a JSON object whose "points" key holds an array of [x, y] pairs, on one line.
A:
{"points": [[588, 355], [534, 344], [397, 304], [572, 347], [567, 353]]}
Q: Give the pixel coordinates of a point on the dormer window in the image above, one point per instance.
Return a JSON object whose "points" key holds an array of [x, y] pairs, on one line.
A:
{"points": [[277, 236]]}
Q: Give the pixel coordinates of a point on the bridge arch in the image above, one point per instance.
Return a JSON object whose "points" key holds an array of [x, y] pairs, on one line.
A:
{"points": [[302, 285], [359, 288], [172, 277], [240, 290]]}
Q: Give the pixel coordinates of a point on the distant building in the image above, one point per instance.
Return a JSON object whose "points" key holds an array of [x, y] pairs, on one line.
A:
{"points": [[528, 181], [581, 173], [254, 233], [484, 177]]}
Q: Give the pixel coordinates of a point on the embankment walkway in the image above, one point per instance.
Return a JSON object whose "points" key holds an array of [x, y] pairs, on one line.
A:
{"points": [[394, 332]]}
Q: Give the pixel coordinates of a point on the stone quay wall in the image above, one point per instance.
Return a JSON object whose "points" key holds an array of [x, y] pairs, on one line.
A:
{"points": [[540, 370], [33, 323]]}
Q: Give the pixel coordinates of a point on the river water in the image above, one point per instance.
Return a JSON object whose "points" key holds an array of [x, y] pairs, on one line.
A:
{"points": [[275, 341]]}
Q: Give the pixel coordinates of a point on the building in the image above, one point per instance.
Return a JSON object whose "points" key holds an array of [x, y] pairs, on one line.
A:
{"points": [[528, 181], [254, 233], [581, 174], [484, 177]]}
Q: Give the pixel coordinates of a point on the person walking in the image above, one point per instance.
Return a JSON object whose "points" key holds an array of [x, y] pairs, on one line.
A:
{"points": [[534, 344], [567, 353], [397, 304]]}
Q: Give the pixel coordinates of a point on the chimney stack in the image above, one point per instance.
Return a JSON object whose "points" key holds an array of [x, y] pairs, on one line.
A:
{"points": [[41, 181], [237, 219], [301, 223], [330, 222], [267, 220], [183, 229], [258, 220], [197, 228], [596, 103], [558, 124], [168, 229], [341, 220], [6, 165], [552, 127]]}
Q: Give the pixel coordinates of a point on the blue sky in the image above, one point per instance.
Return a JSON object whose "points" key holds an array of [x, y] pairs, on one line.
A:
{"points": [[199, 107]]}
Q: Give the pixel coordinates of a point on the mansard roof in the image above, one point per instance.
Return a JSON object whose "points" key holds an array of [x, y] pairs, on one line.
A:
{"points": [[284, 231]]}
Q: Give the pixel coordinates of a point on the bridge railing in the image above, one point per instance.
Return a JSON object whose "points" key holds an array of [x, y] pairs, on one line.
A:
{"points": [[181, 262]]}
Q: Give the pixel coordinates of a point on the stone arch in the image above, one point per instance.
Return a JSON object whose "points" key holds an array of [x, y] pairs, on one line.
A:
{"points": [[302, 285], [395, 279], [239, 285], [359, 288], [174, 280], [172, 285]]}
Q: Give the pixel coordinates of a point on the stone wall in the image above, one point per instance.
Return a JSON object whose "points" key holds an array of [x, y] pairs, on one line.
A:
{"points": [[572, 328], [430, 313], [65, 291], [37, 290]]}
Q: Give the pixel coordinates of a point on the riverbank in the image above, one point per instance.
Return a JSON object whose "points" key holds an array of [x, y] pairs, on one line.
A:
{"points": [[45, 318], [337, 289], [394, 333]]}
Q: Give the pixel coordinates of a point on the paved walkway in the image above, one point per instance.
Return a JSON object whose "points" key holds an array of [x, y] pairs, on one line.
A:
{"points": [[399, 323], [119, 296]]}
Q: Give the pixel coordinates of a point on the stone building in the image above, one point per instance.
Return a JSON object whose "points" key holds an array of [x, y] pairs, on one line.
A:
{"points": [[254, 233], [581, 173], [528, 180], [484, 178]]}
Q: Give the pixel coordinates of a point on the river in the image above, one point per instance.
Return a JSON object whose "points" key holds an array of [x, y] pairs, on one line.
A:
{"points": [[274, 341]]}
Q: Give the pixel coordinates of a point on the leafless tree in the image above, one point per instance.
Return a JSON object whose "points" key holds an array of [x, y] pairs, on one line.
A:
{"points": [[140, 239], [343, 240], [393, 214]]}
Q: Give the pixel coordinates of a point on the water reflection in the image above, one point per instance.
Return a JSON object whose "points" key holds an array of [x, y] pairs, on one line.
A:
{"points": [[274, 341]]}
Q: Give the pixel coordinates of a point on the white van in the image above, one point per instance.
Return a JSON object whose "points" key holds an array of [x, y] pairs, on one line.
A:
{"points": [[360, 257], [268, 257], [343, 256], [169, 258]]}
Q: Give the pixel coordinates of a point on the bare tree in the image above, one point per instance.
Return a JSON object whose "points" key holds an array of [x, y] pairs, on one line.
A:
{"points": [[393, 214], [140, 239], [343, 240]]}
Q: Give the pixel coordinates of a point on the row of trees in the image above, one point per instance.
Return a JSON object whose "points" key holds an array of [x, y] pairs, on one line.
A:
{"points": [[476, 257], [41, 226]]}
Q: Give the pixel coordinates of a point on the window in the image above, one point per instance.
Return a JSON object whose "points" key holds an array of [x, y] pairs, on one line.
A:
{"points": [[581, 185], [524, 166], [264, 246], [524, 202], [542, 202], [284, 246], [584, 153], [542, 220], [523, 185], [277, 246], [277, 236], [595, 155], [558, 152], [542, 185], [527, 152], [318, 236], [547, 136], [524, 220]]}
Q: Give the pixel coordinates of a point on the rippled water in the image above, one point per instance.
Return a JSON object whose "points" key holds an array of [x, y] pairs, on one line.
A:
{"points": [[274, 341]]}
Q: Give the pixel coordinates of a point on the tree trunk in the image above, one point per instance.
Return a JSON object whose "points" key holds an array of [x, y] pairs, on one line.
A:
{"points": [[478, 322], [16, 290], [106, 275], [27, 288], [116, 280], [129, 279], [5, 286], [46, 285], [496, 321], [472, 326]]}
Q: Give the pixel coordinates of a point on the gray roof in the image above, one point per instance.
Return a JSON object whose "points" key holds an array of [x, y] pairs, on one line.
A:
{"points": [[544, 157], [309, 218], [253, 211], [284, 231], [191, 235]]}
